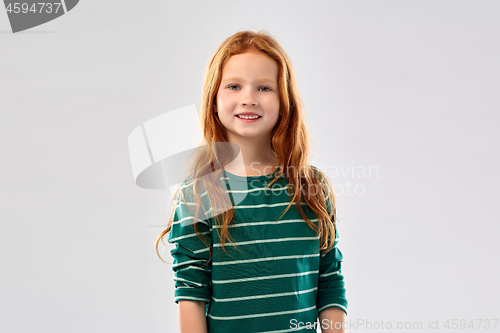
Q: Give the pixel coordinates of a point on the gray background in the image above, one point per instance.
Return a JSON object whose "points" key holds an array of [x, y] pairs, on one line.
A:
{"points": [[408, 87]]}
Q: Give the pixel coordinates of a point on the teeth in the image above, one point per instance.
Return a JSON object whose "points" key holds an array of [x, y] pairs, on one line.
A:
{"points": [[248, 117]]}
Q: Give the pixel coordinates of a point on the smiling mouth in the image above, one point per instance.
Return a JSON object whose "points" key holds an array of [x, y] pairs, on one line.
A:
{"points": [[249, 117]]}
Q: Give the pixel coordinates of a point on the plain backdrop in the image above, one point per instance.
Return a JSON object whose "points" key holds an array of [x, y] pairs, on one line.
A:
{"points": [[403, 107]]}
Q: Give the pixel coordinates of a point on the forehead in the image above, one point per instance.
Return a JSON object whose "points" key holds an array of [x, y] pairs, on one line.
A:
{"points": [[251, 63]]}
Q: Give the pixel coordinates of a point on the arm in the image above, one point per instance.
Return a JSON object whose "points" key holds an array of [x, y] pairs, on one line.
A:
{"points": [[331, 300], [191, 266], [192, 317], [329, 318]]}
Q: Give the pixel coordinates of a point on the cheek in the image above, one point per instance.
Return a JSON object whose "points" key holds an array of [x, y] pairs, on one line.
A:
{"points": [[223, 99], [274, 103], [217, 98]]}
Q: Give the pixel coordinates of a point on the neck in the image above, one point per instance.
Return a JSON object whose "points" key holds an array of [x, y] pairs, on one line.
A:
{"points": [[256, 158]]}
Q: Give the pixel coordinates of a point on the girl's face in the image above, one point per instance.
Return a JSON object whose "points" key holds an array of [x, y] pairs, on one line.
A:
{"points": [[249, 85]]}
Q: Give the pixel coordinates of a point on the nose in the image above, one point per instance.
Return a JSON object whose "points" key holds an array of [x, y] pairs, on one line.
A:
{"points": [[248, 99]]}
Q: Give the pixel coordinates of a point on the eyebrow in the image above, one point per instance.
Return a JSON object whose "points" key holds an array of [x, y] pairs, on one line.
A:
{"points": [[240, 79]]}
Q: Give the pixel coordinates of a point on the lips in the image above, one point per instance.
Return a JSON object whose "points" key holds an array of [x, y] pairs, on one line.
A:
{"points": [[247, 113], [251, 117], [248, 119]]}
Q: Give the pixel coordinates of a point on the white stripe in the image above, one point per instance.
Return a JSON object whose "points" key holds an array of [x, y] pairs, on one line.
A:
{"points": [[182, 201], [187, 203], [263, 296], [188, 262], [269, 205], [265, 222], [272, 240], [191, 218], [262, 314], [192, 282], [260, 188], [264, 259], [194, 267], [186, 236], [281, 188], [339, 305], [328, 274], [227, 178], [263, 277], [262, 205], [202, 250]]}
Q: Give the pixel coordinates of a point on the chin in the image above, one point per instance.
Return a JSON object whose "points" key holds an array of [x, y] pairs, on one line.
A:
{"points": [[248, 135]]}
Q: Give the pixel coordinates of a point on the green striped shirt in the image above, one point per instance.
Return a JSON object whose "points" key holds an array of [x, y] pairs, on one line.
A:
{"points": [[274, 280]]}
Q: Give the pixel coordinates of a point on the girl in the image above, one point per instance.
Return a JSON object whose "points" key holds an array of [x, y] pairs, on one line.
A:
{"points": [[255, 244]]}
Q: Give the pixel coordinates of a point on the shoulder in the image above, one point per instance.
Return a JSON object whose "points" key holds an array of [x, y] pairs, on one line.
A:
{"points": [[318, 172], [326, 185], [187, 187], [199, 197], [320, 175]]}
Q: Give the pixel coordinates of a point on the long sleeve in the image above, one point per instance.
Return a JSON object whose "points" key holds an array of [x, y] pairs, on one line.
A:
{"points": [[331, 289], [192, 270]]}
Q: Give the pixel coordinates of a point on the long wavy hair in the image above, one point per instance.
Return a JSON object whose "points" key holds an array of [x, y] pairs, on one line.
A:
{"points": [[290, 141]]}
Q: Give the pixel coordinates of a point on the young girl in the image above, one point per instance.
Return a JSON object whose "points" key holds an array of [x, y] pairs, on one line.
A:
{"points": [[255, 243]]}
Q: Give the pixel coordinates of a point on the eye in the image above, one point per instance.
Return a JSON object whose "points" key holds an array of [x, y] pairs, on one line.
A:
{"points": [[268, 89], [233, 85]]}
